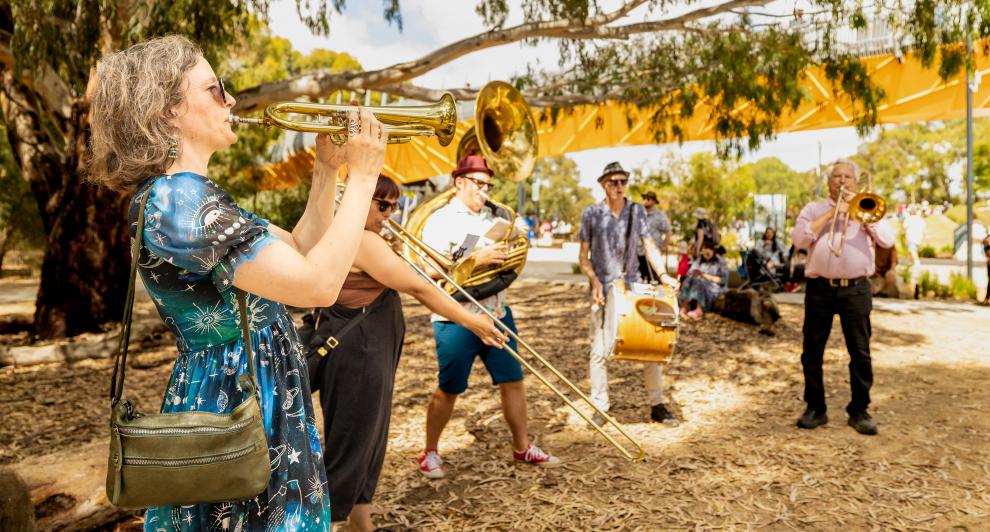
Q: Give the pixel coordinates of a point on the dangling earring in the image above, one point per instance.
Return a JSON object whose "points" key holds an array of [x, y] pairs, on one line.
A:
{"points": [[173, 148]]}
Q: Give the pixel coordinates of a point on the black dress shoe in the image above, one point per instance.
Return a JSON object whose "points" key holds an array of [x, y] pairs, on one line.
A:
{"points": [[863, 423], [660, 414], [811, 419]]}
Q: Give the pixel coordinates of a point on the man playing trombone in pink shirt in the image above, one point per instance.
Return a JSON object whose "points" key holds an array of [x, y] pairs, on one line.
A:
{"points": [[840, 263]]}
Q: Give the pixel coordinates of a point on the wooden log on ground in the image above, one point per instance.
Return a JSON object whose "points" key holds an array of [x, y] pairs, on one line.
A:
{"points": [[67, 489], [749, 306], [16, 511], [15, 323], [85, 346]]}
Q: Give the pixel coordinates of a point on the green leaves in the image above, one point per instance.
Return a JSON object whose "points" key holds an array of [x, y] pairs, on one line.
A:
{"points": [[561, 195]]}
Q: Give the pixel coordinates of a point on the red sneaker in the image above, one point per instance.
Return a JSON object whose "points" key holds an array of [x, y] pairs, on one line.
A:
{"points": [[535, 455], [431, 465]]}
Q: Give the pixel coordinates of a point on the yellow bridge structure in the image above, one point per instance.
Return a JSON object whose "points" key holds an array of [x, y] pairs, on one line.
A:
{"points": [[913, 94]]}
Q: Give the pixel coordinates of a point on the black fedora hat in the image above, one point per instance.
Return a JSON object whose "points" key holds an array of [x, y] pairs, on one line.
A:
{"points": [[612, 168]]}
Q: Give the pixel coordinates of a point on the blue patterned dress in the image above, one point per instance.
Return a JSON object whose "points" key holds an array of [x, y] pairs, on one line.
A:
{"points": [[702, 290], [195, 237]]}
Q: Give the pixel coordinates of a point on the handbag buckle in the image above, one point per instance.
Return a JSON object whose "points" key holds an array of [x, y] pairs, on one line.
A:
{"points": [[332, 342]]}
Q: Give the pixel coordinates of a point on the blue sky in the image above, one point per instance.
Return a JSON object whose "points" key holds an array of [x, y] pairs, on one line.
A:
{"points": [[428, 24]]}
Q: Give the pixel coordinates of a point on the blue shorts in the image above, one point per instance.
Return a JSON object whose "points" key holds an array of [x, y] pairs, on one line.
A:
{"points": [[457, 348]]}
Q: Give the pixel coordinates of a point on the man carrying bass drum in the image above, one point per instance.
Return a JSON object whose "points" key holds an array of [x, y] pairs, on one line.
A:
{"points": [[609, 232]]}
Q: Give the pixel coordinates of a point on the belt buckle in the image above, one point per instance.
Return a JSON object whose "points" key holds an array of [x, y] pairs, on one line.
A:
{"points": [[839, 283]]}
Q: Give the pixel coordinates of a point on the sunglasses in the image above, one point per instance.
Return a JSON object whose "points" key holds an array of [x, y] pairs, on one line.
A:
{"points": [[385, 205], [617, 182], [483, 185], [219, 92]]}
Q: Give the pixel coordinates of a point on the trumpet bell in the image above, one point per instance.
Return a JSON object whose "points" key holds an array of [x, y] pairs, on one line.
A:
{"points": [[867, 208]]}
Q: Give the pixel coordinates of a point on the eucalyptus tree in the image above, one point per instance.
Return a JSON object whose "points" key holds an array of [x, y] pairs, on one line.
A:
{"points": [[744, 62]]}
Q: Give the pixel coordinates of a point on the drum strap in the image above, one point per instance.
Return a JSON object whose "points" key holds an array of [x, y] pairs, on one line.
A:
{"points": [[625, 254]]}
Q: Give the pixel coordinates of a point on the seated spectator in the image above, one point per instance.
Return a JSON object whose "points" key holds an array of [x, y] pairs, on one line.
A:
{"points": [[771, 255], [706, 279], [884, 278]]}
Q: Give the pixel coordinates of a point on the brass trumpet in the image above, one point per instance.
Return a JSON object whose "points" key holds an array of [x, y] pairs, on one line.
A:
{"points": [[438, 119], [865, 207]]}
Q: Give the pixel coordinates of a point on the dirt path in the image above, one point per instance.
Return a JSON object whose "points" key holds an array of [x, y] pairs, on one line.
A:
{"points": [[736, 461]]}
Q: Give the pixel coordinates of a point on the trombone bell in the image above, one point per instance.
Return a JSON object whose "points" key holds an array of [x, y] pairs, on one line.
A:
{"points": [[867, 208]]}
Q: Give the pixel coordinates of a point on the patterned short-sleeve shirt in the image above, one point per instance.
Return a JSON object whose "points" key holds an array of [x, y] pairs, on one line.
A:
{"points": [[657, 225], [607, 235]]}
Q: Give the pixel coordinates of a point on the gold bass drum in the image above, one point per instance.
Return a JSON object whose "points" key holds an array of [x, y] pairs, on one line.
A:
{"points": [[641, 323]]}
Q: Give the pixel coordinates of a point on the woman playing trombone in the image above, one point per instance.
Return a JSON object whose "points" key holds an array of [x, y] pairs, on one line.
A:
{"points": [[355, 377]]}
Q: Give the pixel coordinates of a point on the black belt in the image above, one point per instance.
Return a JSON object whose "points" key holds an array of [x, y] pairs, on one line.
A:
{"points": [[838, 283]]}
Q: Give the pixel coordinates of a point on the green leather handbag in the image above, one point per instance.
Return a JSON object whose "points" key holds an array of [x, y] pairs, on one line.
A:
{"points": [[186, 457]]}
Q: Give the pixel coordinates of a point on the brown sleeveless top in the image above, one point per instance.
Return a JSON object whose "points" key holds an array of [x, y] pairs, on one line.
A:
{"points": [[359, 290]]}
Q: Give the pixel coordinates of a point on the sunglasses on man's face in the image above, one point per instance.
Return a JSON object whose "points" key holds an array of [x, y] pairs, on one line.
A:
{"points": [[483, 185], [617, 182], [219, 92], [385, 205]]}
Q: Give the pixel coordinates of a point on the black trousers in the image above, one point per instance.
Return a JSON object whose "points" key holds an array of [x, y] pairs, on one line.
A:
{"points": [[853, 305], [356, 381]]}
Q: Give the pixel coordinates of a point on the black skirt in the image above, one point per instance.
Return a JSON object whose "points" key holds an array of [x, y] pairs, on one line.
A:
{"points": [[356, 381]]}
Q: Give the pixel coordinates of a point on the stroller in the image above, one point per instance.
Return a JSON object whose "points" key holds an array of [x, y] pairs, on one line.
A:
{"points": [[756, 274]]}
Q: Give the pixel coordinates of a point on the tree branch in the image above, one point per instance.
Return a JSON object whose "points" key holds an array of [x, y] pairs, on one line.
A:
{"points": [[320, 84], [537, 97], [44, 81]]}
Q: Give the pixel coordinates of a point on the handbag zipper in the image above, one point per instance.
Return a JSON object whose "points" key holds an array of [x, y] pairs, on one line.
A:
{"points": [[179, 462], [137, 431]]}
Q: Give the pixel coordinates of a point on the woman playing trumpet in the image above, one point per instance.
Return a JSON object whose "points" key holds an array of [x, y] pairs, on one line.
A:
{"points": [[159, 113]]}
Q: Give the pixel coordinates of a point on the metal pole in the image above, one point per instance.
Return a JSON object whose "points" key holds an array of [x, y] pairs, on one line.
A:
{"points": [[521, 200], [818, 170], [969, 158]]}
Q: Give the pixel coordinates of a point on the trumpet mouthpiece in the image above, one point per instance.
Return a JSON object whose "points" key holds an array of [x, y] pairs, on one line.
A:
{"points": [[234, 119]]}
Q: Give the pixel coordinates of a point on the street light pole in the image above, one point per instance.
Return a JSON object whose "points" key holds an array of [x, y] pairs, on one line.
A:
{"points": [[969, 156]]}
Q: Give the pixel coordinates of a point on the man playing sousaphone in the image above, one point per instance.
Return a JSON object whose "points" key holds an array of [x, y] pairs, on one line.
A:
{"points": [[609, 234], [470, 213]]}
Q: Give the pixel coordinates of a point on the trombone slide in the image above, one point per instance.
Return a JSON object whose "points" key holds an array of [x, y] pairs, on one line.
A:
{"points": [[411, 243]]}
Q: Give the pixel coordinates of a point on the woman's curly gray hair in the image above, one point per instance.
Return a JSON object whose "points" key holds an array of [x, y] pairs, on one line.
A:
{"points": [[133, 95]]}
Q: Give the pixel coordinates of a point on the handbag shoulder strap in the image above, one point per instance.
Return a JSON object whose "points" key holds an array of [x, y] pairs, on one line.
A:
{"points": [[120, 360], [334, 339]]}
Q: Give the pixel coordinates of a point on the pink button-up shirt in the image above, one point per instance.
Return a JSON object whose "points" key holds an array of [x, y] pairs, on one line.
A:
{"points": [[857, 259]]}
